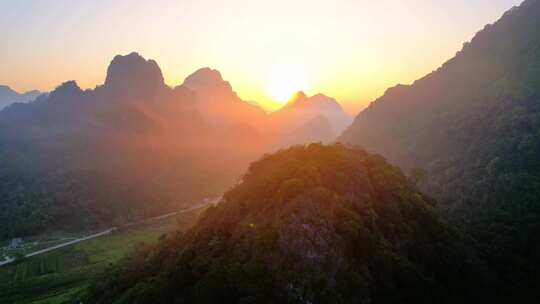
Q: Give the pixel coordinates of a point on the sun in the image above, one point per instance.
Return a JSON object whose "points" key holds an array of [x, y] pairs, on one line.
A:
{"points": [[286, 79]]}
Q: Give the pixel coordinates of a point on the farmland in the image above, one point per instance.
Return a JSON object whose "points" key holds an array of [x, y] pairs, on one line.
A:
{"points": [[58, 276]]}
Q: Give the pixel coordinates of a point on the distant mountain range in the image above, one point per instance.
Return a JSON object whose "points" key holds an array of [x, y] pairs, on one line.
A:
{"points": [[135, 147], [319, 115], [9, 96], [302, 120]]}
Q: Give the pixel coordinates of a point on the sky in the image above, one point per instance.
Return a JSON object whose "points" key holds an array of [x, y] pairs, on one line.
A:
{"points": [[352, 50]]}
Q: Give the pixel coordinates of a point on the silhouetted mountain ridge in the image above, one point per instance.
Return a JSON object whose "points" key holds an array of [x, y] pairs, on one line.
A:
{"points": [[301, 110], [133, 76], [318, 101]]}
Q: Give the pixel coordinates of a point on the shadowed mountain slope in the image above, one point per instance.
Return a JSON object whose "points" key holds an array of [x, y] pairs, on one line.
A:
{"points": [[474, 127]]}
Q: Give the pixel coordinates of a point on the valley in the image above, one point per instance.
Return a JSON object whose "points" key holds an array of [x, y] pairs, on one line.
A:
{"points": [[58, 276]]}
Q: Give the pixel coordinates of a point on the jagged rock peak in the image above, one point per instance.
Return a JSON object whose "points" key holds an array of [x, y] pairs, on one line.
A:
{"points": [[133, 73], [67, 87], [301, 100]]}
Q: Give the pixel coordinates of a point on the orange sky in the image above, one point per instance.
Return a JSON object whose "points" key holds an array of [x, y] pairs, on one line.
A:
{"points": [[351, 50]]}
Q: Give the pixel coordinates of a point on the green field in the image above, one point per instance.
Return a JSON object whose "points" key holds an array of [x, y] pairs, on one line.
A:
{"points": [[58, 276]]}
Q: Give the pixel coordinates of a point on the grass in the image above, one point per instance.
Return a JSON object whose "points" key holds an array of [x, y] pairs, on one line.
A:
{"points": [[59, 276]]}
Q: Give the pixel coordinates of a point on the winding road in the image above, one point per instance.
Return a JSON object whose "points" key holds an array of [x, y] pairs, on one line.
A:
{"points": [[110, 230]]}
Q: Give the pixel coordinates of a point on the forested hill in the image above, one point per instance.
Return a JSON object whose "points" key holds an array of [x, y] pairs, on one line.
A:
{"points": [[473, 125], [310, 224]]}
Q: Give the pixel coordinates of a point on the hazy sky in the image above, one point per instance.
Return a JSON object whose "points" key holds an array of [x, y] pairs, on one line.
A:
{"points": [[350, 49]]}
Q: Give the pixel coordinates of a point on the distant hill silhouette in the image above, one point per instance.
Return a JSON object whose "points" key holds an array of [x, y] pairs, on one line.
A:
{"points": [[9, 96], [319, 104], [318, 112], [473, 125]]}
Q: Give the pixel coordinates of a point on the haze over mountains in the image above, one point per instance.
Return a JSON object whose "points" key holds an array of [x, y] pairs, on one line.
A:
{"points": [[9, 96], [301, 108], [321, 224], [132, 147], [219, 104]]}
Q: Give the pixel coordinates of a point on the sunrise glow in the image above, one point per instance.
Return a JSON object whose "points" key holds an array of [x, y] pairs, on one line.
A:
{"points": [[351, 50], [286, 79]]}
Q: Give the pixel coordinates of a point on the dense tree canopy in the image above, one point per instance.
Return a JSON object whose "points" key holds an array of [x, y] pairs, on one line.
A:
{"points": [[310, 224]]}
